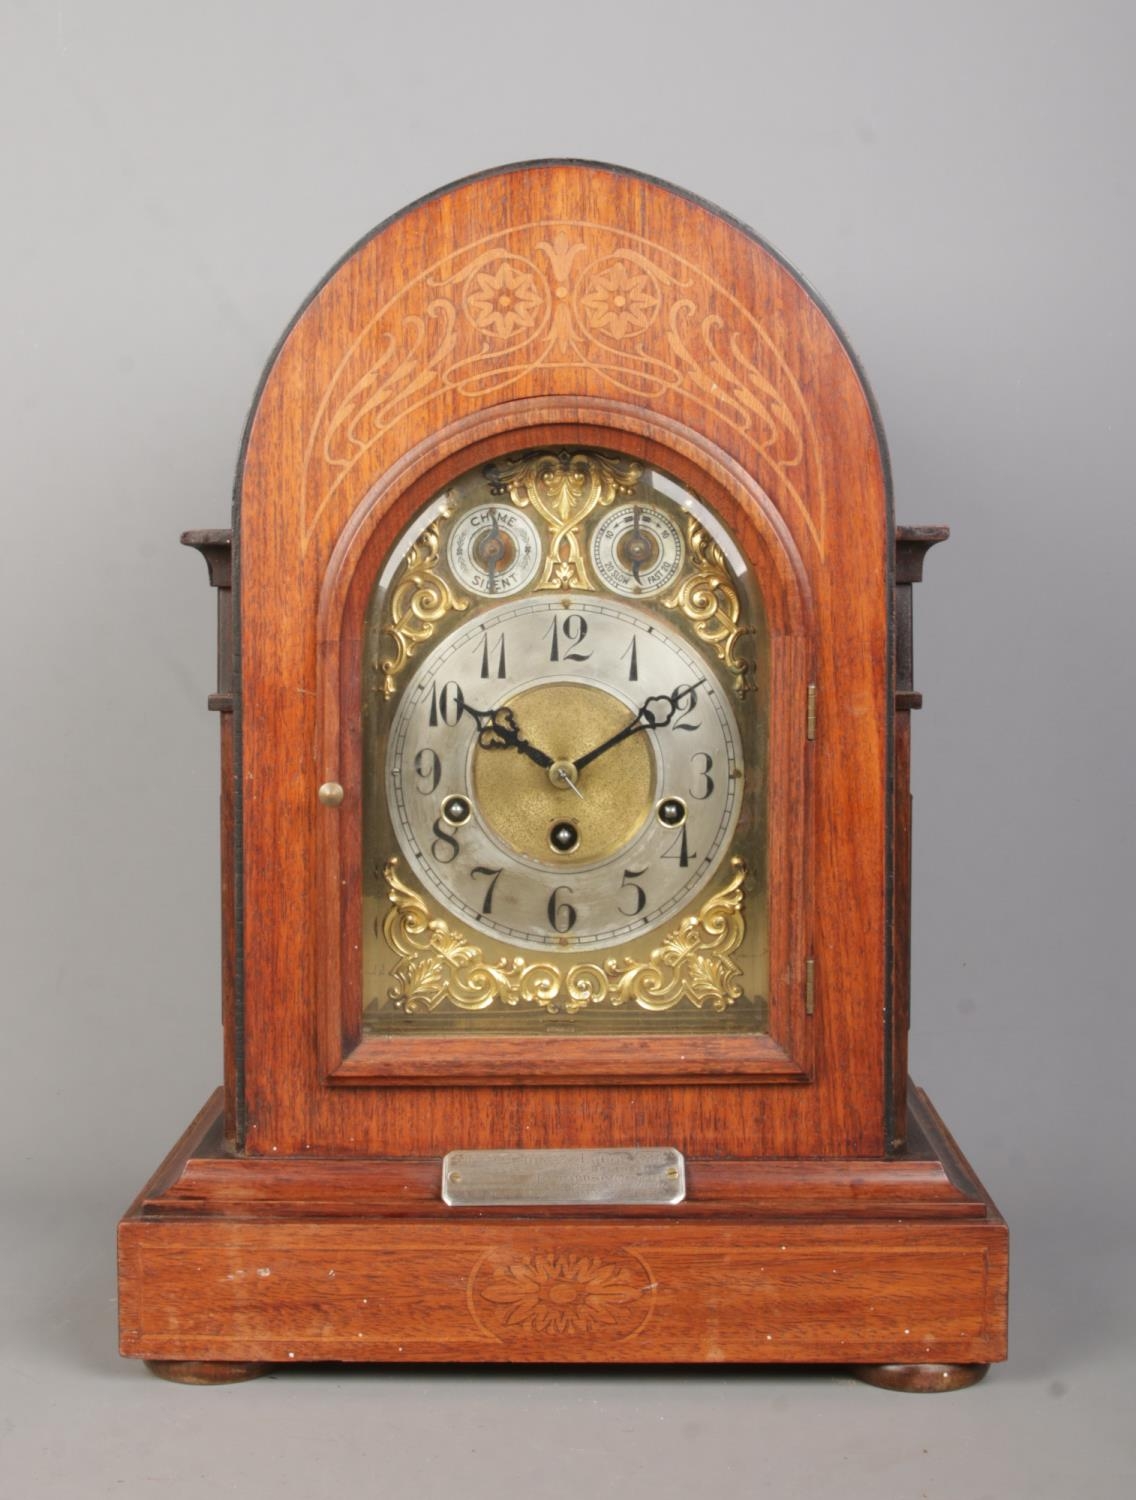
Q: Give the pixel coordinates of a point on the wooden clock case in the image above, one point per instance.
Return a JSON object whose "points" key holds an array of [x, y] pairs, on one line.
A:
{"points": [[829, 1216]]}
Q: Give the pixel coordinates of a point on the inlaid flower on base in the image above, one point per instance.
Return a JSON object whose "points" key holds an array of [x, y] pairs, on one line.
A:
{"points": [[561, 1293]]}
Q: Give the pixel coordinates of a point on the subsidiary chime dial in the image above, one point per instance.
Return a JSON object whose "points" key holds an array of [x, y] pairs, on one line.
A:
{"points": [[494, 551], [564, 771]]}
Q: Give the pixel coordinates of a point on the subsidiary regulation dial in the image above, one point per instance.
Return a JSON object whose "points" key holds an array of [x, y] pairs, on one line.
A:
{"points": [[637, 550], [494, 551]]}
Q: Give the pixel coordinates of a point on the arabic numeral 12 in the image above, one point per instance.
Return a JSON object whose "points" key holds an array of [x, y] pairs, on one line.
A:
{"points": [[573, 628]]}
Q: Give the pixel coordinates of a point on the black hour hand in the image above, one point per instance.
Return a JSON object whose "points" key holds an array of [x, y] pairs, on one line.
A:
{"points": [[497, 729]]}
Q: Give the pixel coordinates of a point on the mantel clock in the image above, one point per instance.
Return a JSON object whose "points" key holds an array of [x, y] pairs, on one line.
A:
{"points": [[565, 688]]}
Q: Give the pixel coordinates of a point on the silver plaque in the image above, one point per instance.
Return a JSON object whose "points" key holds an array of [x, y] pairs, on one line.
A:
{"points": [[646, 1174]]}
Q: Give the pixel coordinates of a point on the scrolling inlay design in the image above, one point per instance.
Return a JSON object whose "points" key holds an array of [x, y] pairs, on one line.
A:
{"points": [[439, 964], [630, 317]]}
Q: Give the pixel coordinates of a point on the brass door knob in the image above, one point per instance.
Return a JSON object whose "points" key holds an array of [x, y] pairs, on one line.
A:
{"points": [[331, 794]]}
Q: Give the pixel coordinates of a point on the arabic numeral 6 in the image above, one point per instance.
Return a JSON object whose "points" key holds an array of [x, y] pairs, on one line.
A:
{"points": [[561, 914]]}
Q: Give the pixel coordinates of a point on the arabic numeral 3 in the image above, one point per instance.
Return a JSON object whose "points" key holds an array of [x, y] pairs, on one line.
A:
{"points": [[704, 782]]}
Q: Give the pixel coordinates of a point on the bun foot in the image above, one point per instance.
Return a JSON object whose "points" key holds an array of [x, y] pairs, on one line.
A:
{"points": [[206, 1371], [919, 1377]]}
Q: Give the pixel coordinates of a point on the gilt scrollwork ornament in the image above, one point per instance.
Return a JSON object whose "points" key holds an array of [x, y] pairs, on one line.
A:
{"points": [[708, 598], [693, 961], [564, 488], [439, 965], [421, 597]]}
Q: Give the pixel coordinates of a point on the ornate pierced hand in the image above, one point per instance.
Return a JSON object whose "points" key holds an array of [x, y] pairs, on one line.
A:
{"points": [[497, 729], [656, 713]]}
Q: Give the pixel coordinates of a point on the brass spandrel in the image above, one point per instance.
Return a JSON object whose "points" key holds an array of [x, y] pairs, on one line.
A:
{"points": [[708, 597], [440, 965], [422, 596], [564, 488]]}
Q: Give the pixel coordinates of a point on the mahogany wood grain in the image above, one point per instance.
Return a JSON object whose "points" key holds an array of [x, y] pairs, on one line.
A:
{"points": [[259, 1277], [758, 385], [912, 1185]]}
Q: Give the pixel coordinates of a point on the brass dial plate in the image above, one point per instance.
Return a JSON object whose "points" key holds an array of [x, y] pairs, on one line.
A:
{"points": [[507, 891], [520, 802]]}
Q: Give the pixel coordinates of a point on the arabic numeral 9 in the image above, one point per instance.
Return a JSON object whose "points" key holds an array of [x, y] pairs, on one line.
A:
{"points": [[428, 770]]}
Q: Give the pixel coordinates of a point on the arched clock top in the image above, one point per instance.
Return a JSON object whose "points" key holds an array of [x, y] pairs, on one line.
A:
{"points": [[547, 308], [518, 284]]}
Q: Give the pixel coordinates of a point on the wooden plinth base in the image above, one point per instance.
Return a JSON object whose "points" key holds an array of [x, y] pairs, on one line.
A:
{"points": [[898, 1267]]}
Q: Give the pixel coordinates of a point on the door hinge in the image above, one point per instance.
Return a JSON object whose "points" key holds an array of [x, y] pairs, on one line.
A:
{"points": [[810, 986], [811, 713]]}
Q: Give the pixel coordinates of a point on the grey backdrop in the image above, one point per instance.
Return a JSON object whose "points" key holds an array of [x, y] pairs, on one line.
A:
{"points": [[956, 180]]}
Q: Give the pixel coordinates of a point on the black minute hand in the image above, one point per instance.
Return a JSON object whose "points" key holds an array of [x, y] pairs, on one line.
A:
{"points": [[655, 713], [497, 729]]}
